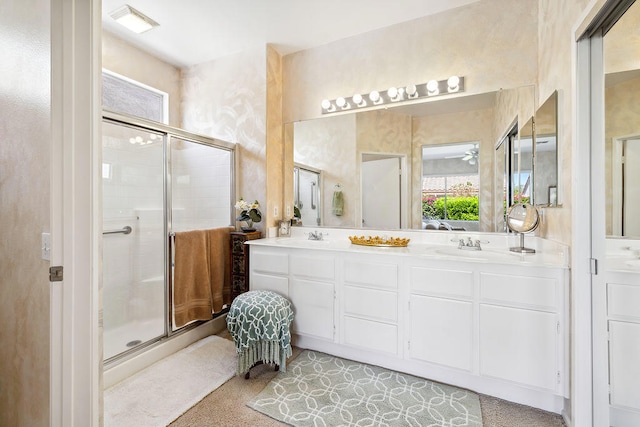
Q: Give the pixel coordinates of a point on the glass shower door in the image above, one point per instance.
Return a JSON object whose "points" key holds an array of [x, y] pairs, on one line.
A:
{"points": [[133, 238], [201, 183]]}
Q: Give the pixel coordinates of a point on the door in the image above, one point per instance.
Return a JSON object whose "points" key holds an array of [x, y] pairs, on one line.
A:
{"points": [[381, 189], [308, 195], [631, 188]]}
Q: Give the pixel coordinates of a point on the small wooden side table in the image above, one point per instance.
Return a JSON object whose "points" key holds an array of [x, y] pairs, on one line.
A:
{"points": [[240, 261]]}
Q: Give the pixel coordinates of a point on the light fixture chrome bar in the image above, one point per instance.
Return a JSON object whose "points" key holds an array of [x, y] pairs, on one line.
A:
{"points": [[393, 95]]}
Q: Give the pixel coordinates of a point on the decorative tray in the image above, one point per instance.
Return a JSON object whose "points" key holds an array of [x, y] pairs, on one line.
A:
{"points": [[395, 242]]}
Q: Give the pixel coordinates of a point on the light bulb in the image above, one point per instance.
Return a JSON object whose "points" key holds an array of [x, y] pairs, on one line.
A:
{"points": [[326, 104], [412, 91], [392, 92], [341, 102], [357, 99], [374, 96], [432, 87], [453, 83]]}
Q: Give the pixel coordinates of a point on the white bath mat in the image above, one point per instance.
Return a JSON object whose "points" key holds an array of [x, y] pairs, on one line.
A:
{"points": [[159, 394]]}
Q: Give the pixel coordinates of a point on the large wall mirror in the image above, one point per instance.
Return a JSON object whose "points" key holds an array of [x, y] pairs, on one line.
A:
{"points": [[444, 149], [622, 126], [546, 153]]}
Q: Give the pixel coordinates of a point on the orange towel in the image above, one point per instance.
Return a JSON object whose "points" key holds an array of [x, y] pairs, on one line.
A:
{"points": [[191, 278], [202, 274], [220, 266]]}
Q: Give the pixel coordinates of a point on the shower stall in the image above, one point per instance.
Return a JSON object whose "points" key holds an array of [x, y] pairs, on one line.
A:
{"points": [[156, 180]]}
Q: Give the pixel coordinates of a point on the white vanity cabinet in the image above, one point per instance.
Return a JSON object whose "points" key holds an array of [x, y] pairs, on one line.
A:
{"points": [[496, 328], [623, 312], [369, 304], [521, 327], [306, 278], [441, 316]]}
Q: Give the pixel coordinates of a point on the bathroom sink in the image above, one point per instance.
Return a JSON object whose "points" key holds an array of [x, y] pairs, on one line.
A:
{"points": [[482, 255]]}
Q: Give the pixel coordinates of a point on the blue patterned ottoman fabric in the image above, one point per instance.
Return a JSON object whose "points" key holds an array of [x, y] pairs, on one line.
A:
{"points": [[259, 323]]}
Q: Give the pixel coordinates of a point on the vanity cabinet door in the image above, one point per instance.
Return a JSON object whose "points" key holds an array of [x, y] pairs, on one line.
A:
{"points": [[441, 331], [519, 345], [624, 354], [312, 294]]}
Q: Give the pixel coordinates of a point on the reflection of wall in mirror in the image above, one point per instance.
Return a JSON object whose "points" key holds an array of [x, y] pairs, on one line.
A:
{"points": [[330, 145]]}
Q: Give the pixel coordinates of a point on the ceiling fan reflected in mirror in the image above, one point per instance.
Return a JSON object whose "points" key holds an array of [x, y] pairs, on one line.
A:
{"points": [[471, 156]]}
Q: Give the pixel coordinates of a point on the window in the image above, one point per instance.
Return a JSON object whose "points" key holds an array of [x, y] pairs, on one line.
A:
{"points": [[123, 95], [450, 182]]}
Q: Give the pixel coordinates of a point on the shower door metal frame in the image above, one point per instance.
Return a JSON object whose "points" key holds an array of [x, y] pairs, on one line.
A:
{"points": [[170, 133]]}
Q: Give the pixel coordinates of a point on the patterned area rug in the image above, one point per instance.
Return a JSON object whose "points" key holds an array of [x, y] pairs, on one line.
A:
{"points": [[323, 390]]}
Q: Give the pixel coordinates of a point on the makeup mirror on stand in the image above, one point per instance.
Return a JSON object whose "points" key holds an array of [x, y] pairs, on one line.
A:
{"points": [[522, 218]]}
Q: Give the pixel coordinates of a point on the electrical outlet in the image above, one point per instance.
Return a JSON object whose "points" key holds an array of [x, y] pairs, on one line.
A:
{"points": [[46, 246], [275, 212], [288, 211]]}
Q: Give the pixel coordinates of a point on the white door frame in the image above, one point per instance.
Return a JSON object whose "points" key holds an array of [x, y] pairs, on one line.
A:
{"points": [[75, 205]]}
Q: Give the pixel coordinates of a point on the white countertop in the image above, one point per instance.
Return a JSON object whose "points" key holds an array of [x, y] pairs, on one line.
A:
{"points": [[433, 245]]}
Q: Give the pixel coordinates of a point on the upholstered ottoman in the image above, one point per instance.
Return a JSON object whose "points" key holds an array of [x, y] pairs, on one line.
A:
{"points": [[259, 323]]}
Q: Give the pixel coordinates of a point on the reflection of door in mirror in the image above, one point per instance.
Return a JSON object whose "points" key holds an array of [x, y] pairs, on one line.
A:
{"points": [[307, 195], [625, 173], [522, 165], [450, 186], [381, 191], [501, 189]]}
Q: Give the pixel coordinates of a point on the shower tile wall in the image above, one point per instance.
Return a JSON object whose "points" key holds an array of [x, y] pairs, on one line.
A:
{"points": [[201, 183]]}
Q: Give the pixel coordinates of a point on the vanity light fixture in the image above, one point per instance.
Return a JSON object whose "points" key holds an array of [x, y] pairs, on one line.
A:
{"points": [[394, 94], [133, 19]]}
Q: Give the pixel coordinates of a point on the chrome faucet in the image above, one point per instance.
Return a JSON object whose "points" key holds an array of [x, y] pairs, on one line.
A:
{"points": [[470, 244], [315, 235]]}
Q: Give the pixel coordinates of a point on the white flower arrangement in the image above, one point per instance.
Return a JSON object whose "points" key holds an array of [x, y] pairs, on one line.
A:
{"points": [[248, 211]]}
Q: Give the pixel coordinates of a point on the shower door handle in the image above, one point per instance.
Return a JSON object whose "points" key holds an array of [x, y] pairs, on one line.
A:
{"points": [[313, 192], [125, 230]]}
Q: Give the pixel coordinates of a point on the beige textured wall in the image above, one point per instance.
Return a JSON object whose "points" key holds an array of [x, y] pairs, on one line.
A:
{"points": [[120, 57], [25, 119], [227, 99], [465, 126], [485, 42], [274, 139]]}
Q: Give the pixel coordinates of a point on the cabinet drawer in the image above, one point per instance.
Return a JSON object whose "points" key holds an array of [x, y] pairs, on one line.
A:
{"points": [[316, 267], [373, 303], [525, 291], [267, 282], [370, 335], [371, 274], [441, 282], [269, 262], [623, 301]]}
